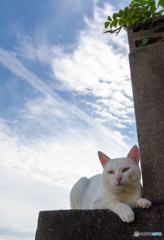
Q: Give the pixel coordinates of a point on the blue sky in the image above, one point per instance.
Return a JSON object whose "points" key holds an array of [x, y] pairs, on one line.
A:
{"points": [[65, 93]]}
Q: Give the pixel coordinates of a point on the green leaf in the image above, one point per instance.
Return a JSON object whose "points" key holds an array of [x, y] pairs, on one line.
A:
{"points": [[138, 11], [121, 22], [121, 13], [145, 19], [115, 15], [111, 25], [161, 3], [144, 42], [160, 12], [115, 23], [136, 5], [106, 24], [126, 10], [109, 19]]}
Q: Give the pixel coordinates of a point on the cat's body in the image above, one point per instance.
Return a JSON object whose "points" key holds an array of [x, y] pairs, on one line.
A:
{"points": [[117, 188]]}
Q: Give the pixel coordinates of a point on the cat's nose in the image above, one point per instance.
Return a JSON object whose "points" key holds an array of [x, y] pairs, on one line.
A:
{"points": [[118, 179]]}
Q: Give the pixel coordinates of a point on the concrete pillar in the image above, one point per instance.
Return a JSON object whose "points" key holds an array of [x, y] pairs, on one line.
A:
{"points": [[147, 73]]}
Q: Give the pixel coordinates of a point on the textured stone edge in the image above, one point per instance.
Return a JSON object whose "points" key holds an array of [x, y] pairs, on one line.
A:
{"points": [[97, 224]]}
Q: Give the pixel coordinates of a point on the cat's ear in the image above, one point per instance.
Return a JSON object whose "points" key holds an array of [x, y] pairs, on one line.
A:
{"points": [[134, 154], [103, 158]]}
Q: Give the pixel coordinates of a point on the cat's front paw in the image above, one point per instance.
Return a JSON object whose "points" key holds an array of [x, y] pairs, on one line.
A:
{"points": [[143, 203], [126, 214]]}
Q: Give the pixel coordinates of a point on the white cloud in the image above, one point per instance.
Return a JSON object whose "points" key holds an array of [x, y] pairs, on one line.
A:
{"points": [[47, 168], [96, 68], [97, 65], [55, 141], [70, 133], [11, 62], [72, 137], [34, 50], [62, 157], [22, 197]]}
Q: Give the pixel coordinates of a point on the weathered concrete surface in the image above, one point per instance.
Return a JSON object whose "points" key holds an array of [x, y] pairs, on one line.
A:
{"points": [[155, 33], [98, 224], [147, 72]]}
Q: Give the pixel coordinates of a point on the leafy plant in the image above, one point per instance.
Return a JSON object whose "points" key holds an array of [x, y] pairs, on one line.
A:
{"points": [[144, 42], [136, 14]]}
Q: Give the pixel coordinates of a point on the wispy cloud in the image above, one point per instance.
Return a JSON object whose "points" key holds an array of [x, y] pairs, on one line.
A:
{"points": [[65, 138], [69, 137], [81, 103], [38, 49], [98, 66], [11, 62], [62, 156]]}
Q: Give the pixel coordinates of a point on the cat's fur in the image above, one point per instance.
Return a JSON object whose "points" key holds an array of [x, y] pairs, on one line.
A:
{"points": [[117, 188]]}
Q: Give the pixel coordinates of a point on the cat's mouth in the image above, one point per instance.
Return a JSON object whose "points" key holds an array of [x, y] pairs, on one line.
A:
{"points": [[121, 184]]}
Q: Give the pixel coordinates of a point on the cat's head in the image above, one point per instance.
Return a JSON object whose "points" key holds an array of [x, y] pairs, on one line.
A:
{"points": [[121, 174]]}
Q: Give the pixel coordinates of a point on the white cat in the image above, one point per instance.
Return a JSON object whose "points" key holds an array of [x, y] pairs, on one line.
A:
{"points": [[117, 188]]}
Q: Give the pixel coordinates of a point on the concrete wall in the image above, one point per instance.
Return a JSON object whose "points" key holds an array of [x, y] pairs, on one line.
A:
{"points": [[98, 225], [147, 74]]}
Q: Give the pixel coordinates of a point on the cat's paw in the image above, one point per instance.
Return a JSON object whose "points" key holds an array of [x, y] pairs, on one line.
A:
{"points": [[143, 203], [126, 214]]}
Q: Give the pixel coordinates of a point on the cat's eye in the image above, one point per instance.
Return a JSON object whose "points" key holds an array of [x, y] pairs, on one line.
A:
{"points": [[111, 172], [125, 169]]}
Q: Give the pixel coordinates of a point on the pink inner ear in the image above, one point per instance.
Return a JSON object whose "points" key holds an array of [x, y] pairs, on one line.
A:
{"points": [[134, 154], [103, 158]]}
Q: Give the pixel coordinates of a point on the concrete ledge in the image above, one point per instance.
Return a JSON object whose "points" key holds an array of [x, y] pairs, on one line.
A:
{"points": [[98, 224]]}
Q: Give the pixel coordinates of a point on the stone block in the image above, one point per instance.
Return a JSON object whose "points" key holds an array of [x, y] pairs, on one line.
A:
{"points": [[99, 225]]}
